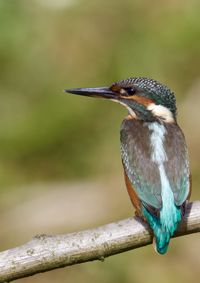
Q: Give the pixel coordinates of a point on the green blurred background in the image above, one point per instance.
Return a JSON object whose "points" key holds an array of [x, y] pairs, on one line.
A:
{"points": [[59, 155]]}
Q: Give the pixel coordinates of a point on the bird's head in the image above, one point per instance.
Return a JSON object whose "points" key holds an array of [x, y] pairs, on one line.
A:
{"points": [[145, 99]]}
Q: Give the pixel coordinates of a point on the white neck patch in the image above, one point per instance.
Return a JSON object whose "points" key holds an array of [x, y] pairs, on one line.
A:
{"points": [[161, 112]]}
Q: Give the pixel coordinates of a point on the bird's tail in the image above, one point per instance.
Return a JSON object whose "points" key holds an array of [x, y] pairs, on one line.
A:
{"points": [[163, 227]]}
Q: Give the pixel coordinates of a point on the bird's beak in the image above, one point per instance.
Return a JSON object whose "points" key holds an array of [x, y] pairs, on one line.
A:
{"points": [[102, 92]]}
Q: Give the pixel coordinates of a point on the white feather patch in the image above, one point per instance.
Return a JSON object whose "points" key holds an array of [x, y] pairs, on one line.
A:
{"points": [[159, 156], [161, 112]]}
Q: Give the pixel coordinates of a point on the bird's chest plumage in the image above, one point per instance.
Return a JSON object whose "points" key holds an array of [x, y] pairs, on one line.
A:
{"points": [[155, 160]]}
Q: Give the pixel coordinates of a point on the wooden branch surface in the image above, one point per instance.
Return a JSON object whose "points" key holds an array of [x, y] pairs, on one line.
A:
{"points": [[46, 252]]}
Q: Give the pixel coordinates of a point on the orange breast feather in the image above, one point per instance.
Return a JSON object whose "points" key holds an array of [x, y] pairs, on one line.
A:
{"points": [[133, 196]]}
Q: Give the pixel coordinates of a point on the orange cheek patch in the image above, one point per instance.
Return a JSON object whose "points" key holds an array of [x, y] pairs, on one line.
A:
{"points": [[142, 100]]}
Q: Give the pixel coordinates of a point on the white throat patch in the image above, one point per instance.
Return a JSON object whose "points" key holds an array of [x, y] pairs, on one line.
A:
{"points": [[161, 112]]}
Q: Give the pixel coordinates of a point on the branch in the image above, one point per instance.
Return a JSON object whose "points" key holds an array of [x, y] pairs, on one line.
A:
{"points": [[45, 252]]}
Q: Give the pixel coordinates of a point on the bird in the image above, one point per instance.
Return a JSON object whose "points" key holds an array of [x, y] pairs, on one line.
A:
{"points": [[153, 151]]}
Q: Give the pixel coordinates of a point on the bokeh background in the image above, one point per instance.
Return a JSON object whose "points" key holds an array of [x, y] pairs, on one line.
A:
{"points": [[60, 167]]}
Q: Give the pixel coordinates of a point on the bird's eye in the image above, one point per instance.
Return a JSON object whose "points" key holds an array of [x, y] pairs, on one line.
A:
{"points": [[130, 90], [127, 91]]}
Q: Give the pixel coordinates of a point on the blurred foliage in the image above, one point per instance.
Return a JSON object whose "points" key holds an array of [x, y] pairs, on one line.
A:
{"points": [[47, 46]]}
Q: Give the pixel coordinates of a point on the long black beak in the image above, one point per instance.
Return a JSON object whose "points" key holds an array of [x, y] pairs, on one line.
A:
{"points": [[102, 92]]}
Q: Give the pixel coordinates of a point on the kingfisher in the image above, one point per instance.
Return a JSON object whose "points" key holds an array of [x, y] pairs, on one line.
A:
{"points": [[153, 151]]}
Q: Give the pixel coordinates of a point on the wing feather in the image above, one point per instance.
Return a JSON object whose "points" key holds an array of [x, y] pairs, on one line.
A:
{"points": [[136, 157], [177, 165], [143, 173]]}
